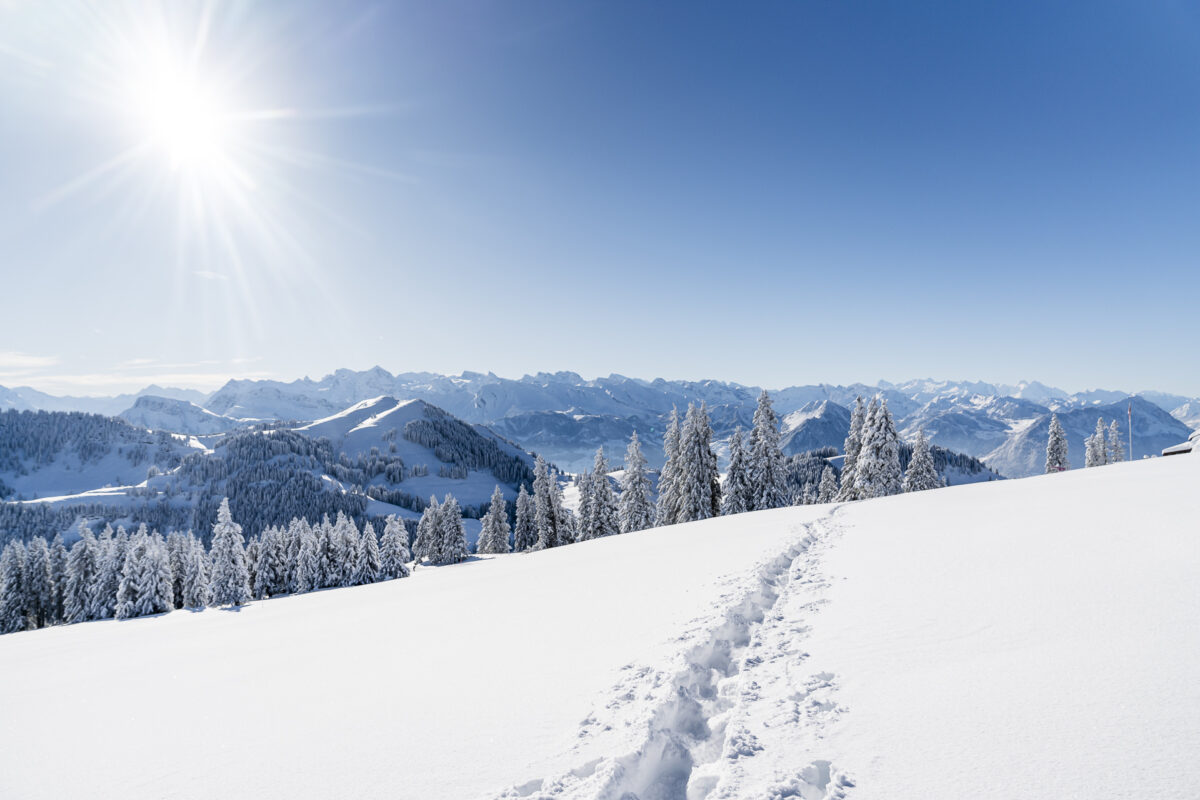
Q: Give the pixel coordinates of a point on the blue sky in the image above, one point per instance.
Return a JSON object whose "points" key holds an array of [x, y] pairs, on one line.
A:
{"points": [[773, 193]]}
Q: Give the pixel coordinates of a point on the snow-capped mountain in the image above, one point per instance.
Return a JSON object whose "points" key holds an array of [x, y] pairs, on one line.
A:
{"points": [[818, 424], [177, 416], [23, 398]]}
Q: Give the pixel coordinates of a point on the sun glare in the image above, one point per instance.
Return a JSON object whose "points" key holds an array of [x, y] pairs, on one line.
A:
{"points": [[184, 119]]}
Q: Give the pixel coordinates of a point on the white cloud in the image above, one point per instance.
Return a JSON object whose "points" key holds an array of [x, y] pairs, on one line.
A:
{"points": [[11, 360]]}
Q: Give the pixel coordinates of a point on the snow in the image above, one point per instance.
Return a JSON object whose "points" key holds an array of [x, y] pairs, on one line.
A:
{"points": [[1032, 637]]}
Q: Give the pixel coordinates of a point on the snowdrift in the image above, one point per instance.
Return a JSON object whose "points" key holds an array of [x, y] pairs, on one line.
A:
{"points": [[1020, 638]]}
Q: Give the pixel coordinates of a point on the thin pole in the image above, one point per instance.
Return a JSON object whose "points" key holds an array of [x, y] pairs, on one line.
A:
{"points": [[1131, 431]]}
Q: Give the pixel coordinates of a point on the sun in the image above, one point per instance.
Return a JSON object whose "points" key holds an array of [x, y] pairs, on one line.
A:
{"points": [[183, 118]]}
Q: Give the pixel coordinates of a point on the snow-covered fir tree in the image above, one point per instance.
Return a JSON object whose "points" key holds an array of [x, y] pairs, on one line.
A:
{"points": [[827, 490], [602, 518], [453, 547], [176, 552], [110, 559], [635, 509], [767, 467], [738, 496], [230, 582], [253, 551], [271, 570], [546, 513], [584, 482], [82, 570], [1116, 445], [877, 470], [196, 592], [698, 480], [428, 543], [566, 523], [852, 447], [12, 588], [666, 510], [493, 537], [58, 577], [921, 474], [308, 561], [1096, 447], [525, 532], [1056, 447], [145, 586], [393, 550], [39, 584], [367, 564]]}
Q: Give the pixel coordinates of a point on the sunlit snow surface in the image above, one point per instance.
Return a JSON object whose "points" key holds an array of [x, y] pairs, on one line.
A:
{"points": [[1032, 638]]}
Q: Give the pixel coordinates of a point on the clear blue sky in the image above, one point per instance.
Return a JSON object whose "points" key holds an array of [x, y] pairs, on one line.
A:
{"points": [[774, 193]]}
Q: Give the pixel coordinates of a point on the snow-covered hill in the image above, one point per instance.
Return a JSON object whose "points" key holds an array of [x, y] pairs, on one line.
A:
{"points": [[908, 647], [177, 416], [821, 423]]}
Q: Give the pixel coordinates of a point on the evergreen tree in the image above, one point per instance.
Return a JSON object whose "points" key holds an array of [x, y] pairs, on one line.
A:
{"points": [[852, 448], [12, 589], [636, 511], [605, 520], [271, 571], [1116, 445], [58, 578], [586, 496], [253, 553], [429, 532], [1056, 447], [494, 536], [767, 467], [230, 582], [739, 495], [308, 562], [367, 565], [39, 585], [196, 593], [453, 547], [82, 571], [698, 479], [565, 522], [110, 553], [827, 490], [525, 533], [667, 507], [347, 549], [546, 513], [921, 474], [877, 470], [393, 550], [177, 551], [1096, 448]]}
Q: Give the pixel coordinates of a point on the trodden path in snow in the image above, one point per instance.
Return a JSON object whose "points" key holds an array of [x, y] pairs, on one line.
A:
{"points": [[735, 714]]}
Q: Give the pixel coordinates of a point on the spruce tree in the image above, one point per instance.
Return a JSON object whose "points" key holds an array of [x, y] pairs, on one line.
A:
{"points": [[393, 550], [253, 552], [308, 562], [39, 584], [177, 548], [12, 589], [1056, 447], [110, 552], [605, 517], [565, 522], [586, 498], [877, 470], [767, 466], [852, 447], [546, 512], [58, 578], [921, 474], [698, 479], [429, 533], [738, 494], [271, 570], [230, 582], [130, 589], [525, 533], [453, 547], [1096, 448], [667, 508], [367, 564], [493, 538], [196, 593], [82, 571], [827, 490], [636, 511], [1116, 445]]}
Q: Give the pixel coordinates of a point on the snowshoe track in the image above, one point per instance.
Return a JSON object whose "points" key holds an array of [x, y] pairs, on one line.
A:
{"points": [[725, 708]]}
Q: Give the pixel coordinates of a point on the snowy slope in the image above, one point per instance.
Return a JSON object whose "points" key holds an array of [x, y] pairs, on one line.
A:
{"points": [[1019, 638], [177, 416]]}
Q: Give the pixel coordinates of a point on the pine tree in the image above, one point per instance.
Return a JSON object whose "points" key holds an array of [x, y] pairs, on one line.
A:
{"points": [[12, 589], [827, 490], [586, 497], [453, 547], [58, 579], [877, 470], [525, 533], [738, 495], [177, 552], [1116, 445], [605, 520], [270, 572], [393, 550], [565, 522], [82, 570], [110, 553], [39, 585], [667, 508], [852, 448], [767, 466], [230, 583], [429, 532], [308, 562], [1056, 447], [367, 564], [636, 511], [493, 538], [196, 593], [921, 474], [253, 552], [131, 588], [347, 549], [1096, 449], [546, 513], [698, 479], [157, 591]]}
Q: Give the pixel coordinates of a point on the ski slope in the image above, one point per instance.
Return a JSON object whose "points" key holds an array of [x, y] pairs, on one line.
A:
{"points": [[1019, 638]]}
